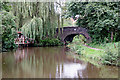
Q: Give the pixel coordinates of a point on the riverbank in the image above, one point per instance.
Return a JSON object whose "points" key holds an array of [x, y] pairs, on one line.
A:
{"points": [[97, 54], [47, 42]]}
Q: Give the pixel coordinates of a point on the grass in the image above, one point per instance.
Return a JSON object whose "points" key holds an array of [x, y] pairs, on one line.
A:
{"points": [[108, 54]]}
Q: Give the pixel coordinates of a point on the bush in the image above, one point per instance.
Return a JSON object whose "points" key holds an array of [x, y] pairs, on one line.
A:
{"points": [[77, 43], [50, 42], [9, 30], [107, 55], [111, 55]]}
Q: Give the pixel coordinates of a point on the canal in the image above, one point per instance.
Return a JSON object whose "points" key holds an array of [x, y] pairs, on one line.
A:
{"points": [[50, 62]]}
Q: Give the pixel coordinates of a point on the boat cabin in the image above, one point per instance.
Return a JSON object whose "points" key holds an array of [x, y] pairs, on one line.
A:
{"points": [[22, 40]]}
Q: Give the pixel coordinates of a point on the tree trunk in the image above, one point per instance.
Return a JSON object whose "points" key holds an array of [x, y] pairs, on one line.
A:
{"points": [[62, 24], [58, 24], [20, 20]]}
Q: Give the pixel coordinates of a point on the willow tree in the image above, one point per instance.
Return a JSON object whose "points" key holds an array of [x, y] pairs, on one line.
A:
{"points": [[28, 12], [33, 29]]}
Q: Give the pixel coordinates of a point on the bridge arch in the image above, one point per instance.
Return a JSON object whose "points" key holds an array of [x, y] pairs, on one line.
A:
{"points": [[70, 32], [70, 37]]}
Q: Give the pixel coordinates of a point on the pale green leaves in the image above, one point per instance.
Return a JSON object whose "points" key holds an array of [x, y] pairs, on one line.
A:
{"points": [[33, 28]]}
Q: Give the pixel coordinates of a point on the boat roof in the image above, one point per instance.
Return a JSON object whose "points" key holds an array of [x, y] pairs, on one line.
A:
{"points": [[19, 32]]}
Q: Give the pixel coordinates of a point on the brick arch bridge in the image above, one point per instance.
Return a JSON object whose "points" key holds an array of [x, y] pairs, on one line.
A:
{"points": [[69, 33]]}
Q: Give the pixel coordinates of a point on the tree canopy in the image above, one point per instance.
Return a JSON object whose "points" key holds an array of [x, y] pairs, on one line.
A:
{"points": [[100, 18], [36, 20]]}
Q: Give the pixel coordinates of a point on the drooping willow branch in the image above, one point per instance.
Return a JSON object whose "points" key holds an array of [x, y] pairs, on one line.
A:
{"points": [[29, 12], [35, 20]]}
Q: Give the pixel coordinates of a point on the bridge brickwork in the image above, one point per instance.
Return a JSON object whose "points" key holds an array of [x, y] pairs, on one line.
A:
{"points": [[68, 33]]}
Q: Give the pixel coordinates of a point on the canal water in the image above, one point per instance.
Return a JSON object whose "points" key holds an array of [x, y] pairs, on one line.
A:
{"points": [[50, 62]]}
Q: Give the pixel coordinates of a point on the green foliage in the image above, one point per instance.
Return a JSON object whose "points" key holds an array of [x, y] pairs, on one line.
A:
{"points": [[77, 43], [33, 29], [5, 6], [107, 53], [80, 39], [8, 32], [49, 42], [34, 15], [111, 55], [100, 18], [36, 19], [67, 22]]}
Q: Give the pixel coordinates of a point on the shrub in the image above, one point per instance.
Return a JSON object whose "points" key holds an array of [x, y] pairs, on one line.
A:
{"points": [[77, 43], [111, 55], [50, 42], [8, 32]]}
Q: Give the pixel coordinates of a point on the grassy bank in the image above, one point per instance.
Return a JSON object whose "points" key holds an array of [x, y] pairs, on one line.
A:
{"points": [[106, 53]]}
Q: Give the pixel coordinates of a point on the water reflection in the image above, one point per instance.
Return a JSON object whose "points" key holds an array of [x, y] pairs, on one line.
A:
{"points": [[20, 54], [70, 70], [49, 62], [0, 65]]}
